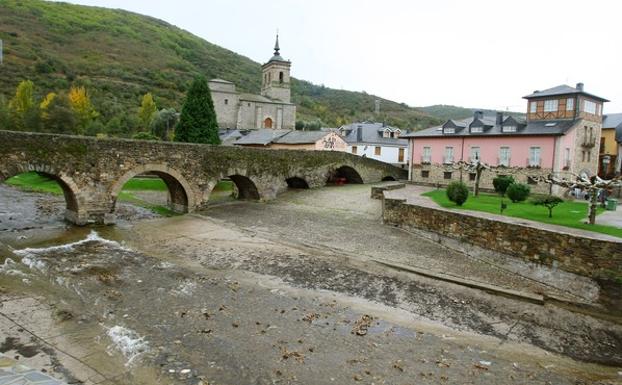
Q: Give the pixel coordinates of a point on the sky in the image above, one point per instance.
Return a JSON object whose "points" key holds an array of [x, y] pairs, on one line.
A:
{"points": [[477, 53]]}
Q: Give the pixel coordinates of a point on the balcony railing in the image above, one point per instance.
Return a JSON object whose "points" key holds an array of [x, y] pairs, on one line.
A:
{"points": [[533, 163], [448, 159], [426, 159], [503, 162], [588, 142]]}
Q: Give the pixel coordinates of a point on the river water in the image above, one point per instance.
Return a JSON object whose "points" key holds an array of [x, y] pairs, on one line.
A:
{"points": [[199, 300]]}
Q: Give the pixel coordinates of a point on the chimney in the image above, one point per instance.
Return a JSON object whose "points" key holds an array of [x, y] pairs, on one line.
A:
{"points": [[580, 87], [478, 114], [359, 133], [499, 118]]}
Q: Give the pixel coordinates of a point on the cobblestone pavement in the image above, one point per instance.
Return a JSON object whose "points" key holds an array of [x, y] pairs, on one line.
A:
{"points": [[13, 373]]}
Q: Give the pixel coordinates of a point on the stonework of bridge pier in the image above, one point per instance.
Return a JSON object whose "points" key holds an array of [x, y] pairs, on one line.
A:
{"points": [[93, 171]]}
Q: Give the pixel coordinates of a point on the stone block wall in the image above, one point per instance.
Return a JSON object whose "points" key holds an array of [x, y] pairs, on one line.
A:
{"points": [[591, 257], [436, 176]]}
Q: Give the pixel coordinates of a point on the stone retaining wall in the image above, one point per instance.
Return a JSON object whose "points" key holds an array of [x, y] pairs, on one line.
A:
{"points": [[577, 254]]}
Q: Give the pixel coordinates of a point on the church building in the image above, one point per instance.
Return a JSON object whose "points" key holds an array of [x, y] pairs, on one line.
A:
{"points": [[271, 109]]}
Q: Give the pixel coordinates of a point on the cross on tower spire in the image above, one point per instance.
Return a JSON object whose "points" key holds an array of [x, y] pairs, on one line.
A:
{"points": [[276, 44]]}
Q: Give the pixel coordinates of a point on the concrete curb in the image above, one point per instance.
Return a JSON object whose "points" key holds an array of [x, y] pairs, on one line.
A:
{"points": [[529, 297]]}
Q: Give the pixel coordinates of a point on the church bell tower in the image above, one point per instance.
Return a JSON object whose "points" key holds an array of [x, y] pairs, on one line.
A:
{"points": [[275, 82]]}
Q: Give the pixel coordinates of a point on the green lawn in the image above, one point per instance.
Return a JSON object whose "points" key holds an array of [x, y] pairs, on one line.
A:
{"points": [[31, 181], [569, 214]]}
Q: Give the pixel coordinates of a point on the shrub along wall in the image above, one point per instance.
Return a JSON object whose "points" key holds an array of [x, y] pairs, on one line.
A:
{"points": [[592, 257]]}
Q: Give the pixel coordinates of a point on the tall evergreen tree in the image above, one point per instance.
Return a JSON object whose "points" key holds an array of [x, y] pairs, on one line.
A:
{"points": [[197, 123]]}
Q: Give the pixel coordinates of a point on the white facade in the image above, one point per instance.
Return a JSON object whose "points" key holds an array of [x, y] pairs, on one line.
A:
{"points": [[388, 154]]}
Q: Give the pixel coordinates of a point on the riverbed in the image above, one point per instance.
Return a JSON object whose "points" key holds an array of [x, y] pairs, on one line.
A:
{"points": [[282, 292]]}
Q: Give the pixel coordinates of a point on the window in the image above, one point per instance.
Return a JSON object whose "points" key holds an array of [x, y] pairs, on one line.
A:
{"points": [[450, 130], [447, 175], [504, 156], [425, 173], [582, 156], [400, 155], [602, 145], [427, 155], [589, 156], [598, 109], [472, 176], [569, 104], [477, 129], [249, 104], [533, 107], [449, 155], [475, 154], [386, 134], [281, 77], [377, 151], [509, 128], [226, 101], [566, 158], [354, 149], [534, 156], [550, 105], [589, 107]]}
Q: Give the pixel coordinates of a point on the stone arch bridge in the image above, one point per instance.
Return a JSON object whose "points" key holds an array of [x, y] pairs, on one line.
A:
{"points": [[92, 171]]}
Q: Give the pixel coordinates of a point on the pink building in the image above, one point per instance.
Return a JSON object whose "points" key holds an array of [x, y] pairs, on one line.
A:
{"points": [[560, 136]]}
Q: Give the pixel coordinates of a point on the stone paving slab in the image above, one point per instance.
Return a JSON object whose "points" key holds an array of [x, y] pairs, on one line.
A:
{"points": [[14, 373]]}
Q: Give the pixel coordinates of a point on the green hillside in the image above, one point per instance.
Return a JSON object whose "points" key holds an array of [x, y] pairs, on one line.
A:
{"points": [[444, 112], [119, 56]]}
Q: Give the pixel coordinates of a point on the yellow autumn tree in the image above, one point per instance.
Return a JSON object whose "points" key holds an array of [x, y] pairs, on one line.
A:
{"points": [[21, 105], [147, 111], [82, 107], [45, 104]]}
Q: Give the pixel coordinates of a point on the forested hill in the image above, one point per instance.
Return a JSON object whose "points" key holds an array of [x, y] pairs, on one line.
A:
{"points": [[119, 56]]}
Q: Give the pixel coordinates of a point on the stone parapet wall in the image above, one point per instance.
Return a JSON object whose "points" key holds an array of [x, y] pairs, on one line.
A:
{"points": [[436, 176], [592, 257]]}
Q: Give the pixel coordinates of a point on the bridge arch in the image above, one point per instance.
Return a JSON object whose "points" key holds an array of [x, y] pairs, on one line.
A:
{"points": [[247, 189], [181, 198], [297, 182], [350, 174], [389, 178], [71, 192]]}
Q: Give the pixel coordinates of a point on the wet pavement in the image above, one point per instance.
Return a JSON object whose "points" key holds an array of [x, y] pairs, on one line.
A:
{"points": [[277, 293]]}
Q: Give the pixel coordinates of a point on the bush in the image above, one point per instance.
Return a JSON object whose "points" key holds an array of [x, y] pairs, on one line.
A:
{"points": [[501, 183], [518, 192], [145, 136], [457, 192]]}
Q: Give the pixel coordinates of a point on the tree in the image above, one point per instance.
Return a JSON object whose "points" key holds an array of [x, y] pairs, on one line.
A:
{"points": [[591, 184], [476, 167], [501, 184], [163, 123], [60, 117], [147, 111], [22, 104], [4, 114], [518, 192], [198, 123], [45, 104], [80, 103], [548, 201], [457, 192]]}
